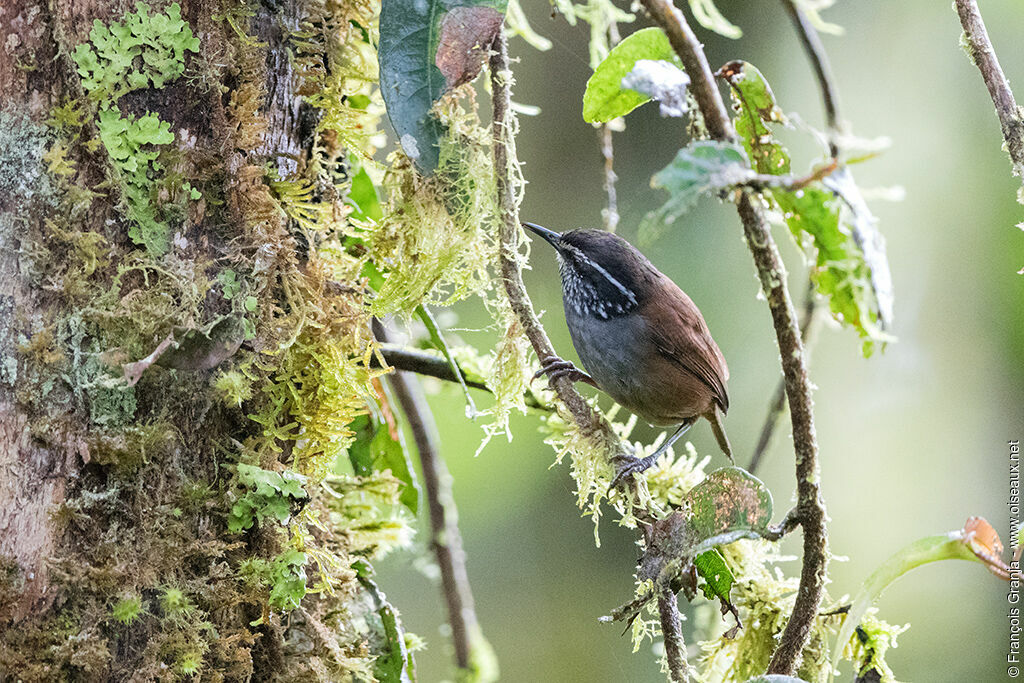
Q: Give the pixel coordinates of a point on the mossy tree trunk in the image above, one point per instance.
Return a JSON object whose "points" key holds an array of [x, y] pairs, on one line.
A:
{"points": [[179, 359]]}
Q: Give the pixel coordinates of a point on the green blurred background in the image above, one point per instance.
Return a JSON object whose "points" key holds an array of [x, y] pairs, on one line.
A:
{"points": [[913, 440]]}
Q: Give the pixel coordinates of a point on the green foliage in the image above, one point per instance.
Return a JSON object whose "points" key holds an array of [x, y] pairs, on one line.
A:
{"points": [[141, 51], [857, 286], [128, 142], [267, 495], [285, 576], [699, 168], [411, 79], [604, 98], [718, 578], [127, 609], [379, 447], [174, 602]]}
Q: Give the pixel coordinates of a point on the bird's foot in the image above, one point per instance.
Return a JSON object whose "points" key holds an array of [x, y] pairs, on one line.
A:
{"points": [[627, 465], [555, 367]]}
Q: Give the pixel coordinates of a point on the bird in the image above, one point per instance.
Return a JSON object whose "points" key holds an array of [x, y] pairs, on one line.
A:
{"points": [[640, 338]]}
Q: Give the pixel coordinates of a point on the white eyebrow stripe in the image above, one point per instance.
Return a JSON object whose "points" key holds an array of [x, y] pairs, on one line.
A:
{"points": [[608, 276]]}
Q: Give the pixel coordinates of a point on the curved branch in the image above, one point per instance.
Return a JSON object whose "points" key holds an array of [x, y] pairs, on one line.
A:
{"points": [[822, 70], [586, 419], [772, 274], [984, 57]]}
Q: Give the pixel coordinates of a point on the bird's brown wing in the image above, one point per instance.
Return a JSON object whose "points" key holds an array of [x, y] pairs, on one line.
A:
{"points": [[682, 336]]}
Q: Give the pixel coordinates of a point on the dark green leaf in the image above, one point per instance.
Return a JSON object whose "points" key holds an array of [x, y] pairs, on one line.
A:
{"points": [[427, 47], [389, 453], [699, 168], [718, 578], [605, 98]]}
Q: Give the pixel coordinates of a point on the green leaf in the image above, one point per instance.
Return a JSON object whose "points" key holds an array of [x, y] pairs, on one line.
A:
{"points": [[775, 678], [605, 98], [374, 449], [718, 578], [698, 169], [437, 339], [427, 47], [363, 197], [849, 264], [728, 505], [962, 544]]}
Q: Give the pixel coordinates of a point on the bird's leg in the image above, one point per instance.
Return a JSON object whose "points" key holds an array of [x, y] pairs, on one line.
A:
{"points": [[625, 466], [555, 367]]}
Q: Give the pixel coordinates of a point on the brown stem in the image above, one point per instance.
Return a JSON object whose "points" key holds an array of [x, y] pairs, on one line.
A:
{"points": [[816, 54], [811, 41], [430, 365], [778, 404], [772, 274], [984, 57], [671, 630], [586, 419], [445, 540]]}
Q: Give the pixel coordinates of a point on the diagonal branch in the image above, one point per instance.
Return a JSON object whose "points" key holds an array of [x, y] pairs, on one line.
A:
{"points": [[772, 274], [984, 57], [445, 540], [811, 41], [588, 421]]}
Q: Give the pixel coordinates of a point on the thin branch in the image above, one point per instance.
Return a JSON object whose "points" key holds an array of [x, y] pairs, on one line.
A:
{"points": [[772, 274], [671, 630], [984, 57], [811, 41], [431, 365], [589, 422], [778, 405], [822, 68], [610, 212], [421, 363], [445, 539]]}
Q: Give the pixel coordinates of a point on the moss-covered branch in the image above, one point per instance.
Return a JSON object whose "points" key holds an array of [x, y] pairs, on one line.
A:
{"points": [[772, 274]]}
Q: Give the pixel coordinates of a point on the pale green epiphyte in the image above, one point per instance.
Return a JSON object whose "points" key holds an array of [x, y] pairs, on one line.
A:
{"points": [[142, 50]]}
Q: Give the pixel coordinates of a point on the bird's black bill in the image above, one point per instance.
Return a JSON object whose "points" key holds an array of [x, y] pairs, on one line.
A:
{"points": [[550, 235]]}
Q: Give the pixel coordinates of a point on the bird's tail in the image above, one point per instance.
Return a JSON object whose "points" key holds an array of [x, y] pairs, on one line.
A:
{"points": [[715, 418]]}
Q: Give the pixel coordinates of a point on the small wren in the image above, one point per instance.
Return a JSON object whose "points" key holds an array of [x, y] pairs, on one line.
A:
{"points": [[641, 338]]}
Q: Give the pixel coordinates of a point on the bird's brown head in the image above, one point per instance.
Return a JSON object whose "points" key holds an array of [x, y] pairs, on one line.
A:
{"points": [[603, 275]]}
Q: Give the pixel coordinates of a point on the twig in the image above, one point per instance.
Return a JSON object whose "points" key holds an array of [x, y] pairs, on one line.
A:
{"points": [[822, 70], [772, 274], [610, 212], [816, 54], [984, 57], [430, 365], [589, 422], [778, 405], [671, 630], [421, 363], [445, 539]]}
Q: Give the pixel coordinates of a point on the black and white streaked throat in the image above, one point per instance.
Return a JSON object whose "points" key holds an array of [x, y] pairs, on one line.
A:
{"points": [[589, 289]]}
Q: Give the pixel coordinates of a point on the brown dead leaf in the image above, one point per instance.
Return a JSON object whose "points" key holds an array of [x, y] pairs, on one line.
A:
{"points": [[466, 36]]}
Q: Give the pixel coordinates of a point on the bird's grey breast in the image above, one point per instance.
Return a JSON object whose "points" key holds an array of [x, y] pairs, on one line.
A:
{"points": [[608, 348]]}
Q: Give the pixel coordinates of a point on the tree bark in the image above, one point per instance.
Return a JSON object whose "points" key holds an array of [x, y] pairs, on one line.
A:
{"points": [[116, 561]]}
